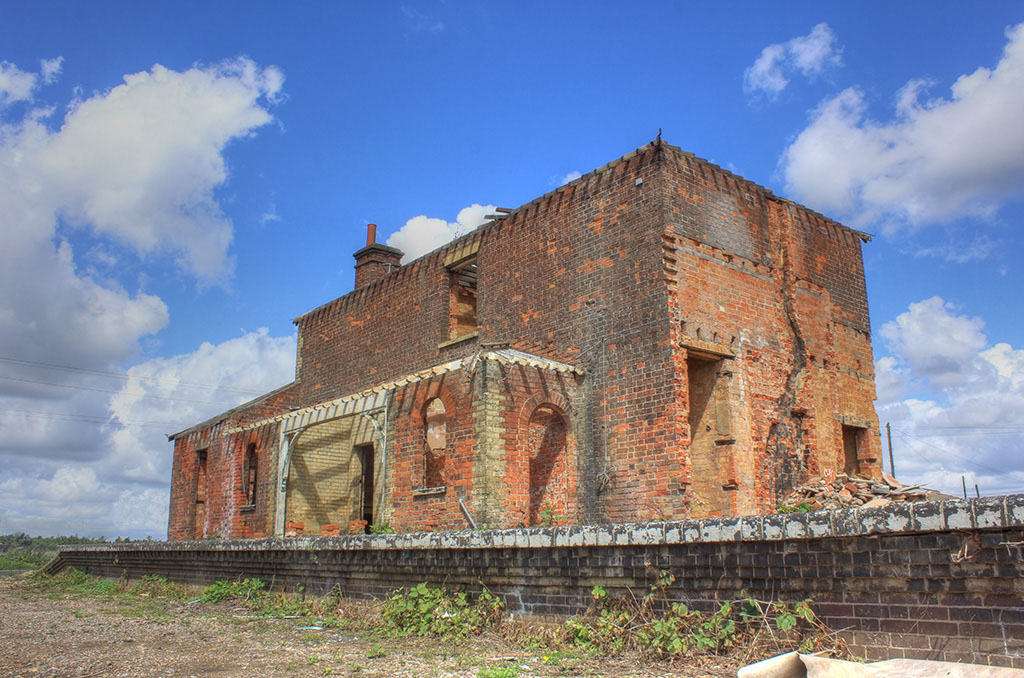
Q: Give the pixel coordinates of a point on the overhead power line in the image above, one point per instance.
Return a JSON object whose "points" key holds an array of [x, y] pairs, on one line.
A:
{"points": [[88, 418], [909, 437], [125, 376], [107, 390]]}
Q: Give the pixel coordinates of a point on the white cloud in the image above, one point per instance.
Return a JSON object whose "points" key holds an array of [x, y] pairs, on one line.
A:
{"points": [[935, 344], [955, 406], [50, 69], [570, 176], [424, 234], [15, 84], [936, 160], [138, 164], [117, 484], [810, 54], [270, 215], [184, 390], [960, 250], [131, 170]]}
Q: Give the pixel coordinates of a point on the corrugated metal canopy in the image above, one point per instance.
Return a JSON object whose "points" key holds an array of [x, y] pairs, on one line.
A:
{"points": [[375, 398]]}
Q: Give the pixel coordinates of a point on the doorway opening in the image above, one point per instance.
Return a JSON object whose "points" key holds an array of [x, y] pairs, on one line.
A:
{"points": [[366, 458], [199, 516], [851, 456]]}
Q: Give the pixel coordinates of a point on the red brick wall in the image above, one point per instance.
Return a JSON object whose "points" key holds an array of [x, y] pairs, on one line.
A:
{"points": [[573, 275], [782, 289], [408, 449], [225, 498]]}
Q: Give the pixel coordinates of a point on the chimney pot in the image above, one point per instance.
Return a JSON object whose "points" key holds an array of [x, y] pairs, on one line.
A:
{"points": [[371, 234]]}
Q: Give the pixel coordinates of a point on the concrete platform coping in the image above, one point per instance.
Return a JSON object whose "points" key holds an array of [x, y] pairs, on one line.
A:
{"points": [[897, 518]]}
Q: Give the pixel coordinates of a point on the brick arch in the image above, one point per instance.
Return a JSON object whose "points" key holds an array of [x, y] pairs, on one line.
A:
{"points": [[432, 467], [544, 454], [434, 388]]}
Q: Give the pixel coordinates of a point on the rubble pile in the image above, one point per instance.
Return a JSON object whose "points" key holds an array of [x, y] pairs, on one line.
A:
{"points": [[838, 490]]}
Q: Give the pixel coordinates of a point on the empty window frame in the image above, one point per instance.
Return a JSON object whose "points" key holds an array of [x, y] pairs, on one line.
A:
{"points": [[436, 418], [462, 299], [250, 467]]}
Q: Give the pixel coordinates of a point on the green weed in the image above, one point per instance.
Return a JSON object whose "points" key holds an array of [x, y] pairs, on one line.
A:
{"points": [[247, 589], [424, 611]]}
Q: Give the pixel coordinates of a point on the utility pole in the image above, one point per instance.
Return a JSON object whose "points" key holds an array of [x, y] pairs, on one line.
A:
{"points": [[888, 435]]}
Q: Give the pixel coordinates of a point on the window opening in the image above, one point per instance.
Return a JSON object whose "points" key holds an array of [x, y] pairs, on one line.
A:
{"points": [[851, 456], [365, 454], [249, 469], [199, 518], [462, 299], [437, 442]]}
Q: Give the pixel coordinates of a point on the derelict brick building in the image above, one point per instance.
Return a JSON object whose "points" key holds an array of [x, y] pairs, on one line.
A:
{"points": [[656, 339]]}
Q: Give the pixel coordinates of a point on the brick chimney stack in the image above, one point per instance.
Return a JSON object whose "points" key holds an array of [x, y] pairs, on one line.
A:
{"points": [[375, 261]]}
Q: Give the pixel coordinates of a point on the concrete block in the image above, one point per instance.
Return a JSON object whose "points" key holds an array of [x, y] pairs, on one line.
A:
{"points": [[773, 526], [589, 535], [795, 526], [730, 529], [711, 529], [691, 530], [751, 528], [847, 522], [673, 533], [957, 514], [926, 516], [819, 524], [1015, 510], [538, 539], [620, 534], [988, 511], [885, 519]]}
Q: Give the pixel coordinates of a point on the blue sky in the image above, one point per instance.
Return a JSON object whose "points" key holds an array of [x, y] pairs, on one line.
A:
{"points": [[178, 182]]}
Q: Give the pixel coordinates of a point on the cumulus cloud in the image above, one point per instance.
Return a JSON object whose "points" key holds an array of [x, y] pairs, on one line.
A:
{"points": [[569, 176], [118, 480], [935, 343], [50, 69], [935, 160], [424, 234], [809, 55], [131, 170], [138, 165], [953, 401], [15, 84]]}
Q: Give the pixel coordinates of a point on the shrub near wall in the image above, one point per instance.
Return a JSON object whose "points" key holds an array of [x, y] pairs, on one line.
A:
{"points": [[940, 580]]}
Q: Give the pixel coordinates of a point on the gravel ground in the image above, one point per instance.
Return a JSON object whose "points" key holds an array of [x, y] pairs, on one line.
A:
{"points": [[113, 636]]}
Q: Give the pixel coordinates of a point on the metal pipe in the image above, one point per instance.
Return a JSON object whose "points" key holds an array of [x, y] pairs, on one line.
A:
{"points": [[382, 435], [384, 458], [462, 505]]}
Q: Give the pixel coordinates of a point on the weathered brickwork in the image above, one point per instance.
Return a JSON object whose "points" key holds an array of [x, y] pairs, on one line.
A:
{"points": [[659, 339], [932, 580], [224, 510]]}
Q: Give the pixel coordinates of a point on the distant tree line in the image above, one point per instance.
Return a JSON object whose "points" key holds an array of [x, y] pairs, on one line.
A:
{"points": [[19, 551]]}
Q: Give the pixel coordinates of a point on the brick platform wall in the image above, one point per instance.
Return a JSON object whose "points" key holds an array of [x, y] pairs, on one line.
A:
{"points": [[937, 580]]}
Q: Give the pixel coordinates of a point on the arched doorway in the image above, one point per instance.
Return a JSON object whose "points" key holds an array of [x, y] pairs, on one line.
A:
{"points": [[546, 451]]}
